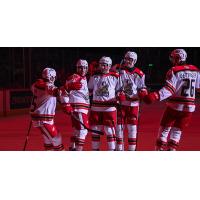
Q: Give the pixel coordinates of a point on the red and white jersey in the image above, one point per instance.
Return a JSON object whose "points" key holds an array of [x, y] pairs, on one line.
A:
{"points": [[103, 88], [181, 82], [131, 82], [44, 102], [79, 99]]}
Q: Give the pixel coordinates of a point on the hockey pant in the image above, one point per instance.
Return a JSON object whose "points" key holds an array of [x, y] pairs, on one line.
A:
{"points": [[103, 121], [52, 138], [127, 115], [172, 125], [77, 139]]}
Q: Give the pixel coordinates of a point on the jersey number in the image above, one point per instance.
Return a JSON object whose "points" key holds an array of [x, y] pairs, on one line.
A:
{"points": [[188, 88]]}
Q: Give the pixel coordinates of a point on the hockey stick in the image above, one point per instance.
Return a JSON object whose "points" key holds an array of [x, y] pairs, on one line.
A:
{"points": [[90, 130], [27, 136], [29, 129]]}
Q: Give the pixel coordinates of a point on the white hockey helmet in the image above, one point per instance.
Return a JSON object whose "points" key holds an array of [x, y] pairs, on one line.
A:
{"points": [[82, 67], [82, 63], [177, 56], [105, 64], [132, 55], [105, 60], [49, 74]]}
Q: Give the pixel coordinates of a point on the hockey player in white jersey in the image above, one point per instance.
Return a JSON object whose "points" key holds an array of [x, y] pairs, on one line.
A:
{"points": [[45, 95], [79, 100], [179, 90], [103, 87], [132, 81]]}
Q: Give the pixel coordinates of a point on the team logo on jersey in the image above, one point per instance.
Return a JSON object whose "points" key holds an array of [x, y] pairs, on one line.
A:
{"points": [[128, 85], [102, 90]]}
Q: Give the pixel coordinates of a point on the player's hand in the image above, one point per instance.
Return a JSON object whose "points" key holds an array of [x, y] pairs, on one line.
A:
{"points": [[73, 86], [67, 109], [152, 97], [142, 93], [121, 96]]}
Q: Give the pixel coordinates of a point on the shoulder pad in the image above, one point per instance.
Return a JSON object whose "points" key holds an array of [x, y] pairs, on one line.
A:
{"points": [[40, 84], [138, 71], [184, 67]]}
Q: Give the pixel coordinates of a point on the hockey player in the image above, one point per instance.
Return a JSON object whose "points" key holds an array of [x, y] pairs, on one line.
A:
{"points": [[79, 100], [132, 81], [103, 111], [180, 84], [45, 94]]}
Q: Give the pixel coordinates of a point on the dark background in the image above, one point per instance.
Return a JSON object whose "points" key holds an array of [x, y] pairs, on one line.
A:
{"points": [[20, 66]]}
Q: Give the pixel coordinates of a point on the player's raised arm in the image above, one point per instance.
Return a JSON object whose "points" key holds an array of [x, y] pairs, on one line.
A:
{"points": [[166, 91], [43, 109]]}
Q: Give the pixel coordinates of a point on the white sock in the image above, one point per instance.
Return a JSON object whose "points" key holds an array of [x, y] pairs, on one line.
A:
{"points": [[132, 136], [96, 137], [175, 136], [80, 140], [119, 137], [110, 133], [161, 142]]}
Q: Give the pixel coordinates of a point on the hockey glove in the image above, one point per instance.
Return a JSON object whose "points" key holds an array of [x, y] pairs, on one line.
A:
{"points": [[142, 93], [121, 96], [67, 109], [151, 97]]}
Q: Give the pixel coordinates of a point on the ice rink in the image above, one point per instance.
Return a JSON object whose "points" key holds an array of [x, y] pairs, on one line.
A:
{"points": [[13, 130]]}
